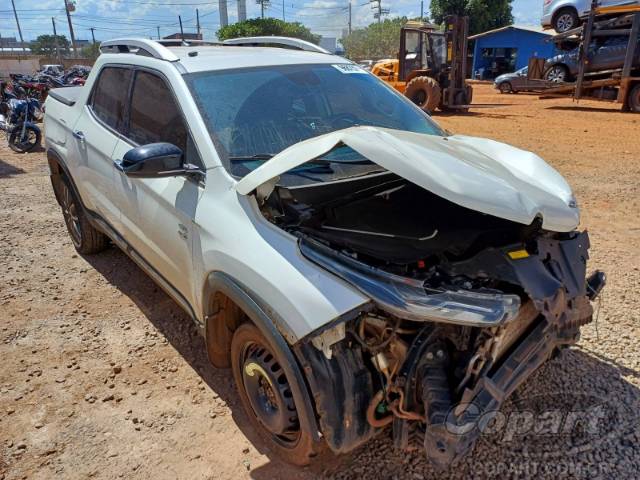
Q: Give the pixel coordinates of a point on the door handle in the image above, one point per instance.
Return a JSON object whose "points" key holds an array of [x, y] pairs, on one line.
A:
{"points": [[79, 135]]}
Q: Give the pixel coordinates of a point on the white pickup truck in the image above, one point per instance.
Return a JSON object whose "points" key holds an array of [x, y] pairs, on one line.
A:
{"points": [[355, 265]]}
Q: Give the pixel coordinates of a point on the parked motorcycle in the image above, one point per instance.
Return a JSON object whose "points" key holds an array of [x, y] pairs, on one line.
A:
{"points": [[17, 118]]}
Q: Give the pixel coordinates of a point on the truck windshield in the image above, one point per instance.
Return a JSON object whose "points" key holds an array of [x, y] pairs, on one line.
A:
{"points": [[254, 113]]}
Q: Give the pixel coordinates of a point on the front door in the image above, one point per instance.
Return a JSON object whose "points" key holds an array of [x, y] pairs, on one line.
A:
{"points": [[157, 214]]}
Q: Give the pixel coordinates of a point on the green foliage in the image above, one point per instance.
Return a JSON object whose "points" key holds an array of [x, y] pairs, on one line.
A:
{"points": [[91, 51], [483, 14], [255, 27], [378, 40], [46, 45]]}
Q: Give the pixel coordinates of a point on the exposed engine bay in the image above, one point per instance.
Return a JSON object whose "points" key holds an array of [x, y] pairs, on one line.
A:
{"points": [[464, 307]]}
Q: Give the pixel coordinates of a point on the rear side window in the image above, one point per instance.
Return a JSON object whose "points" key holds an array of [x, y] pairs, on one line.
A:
{"points": [[154, 116], [110, 95]]}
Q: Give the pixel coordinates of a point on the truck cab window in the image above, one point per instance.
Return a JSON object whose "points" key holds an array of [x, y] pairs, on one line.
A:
{"points": [[110, 95], [155, 117]]}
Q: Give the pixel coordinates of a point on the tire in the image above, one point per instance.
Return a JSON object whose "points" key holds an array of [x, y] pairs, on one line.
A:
{"points": [[32, 138], [505, 87], [557, 73], [85, 238], [424, 92], [266, 396], [633, 99], [565, 20]]}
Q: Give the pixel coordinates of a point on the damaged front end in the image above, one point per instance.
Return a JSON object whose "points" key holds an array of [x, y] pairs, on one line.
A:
{"points": [[466, 303], [432, 358]]}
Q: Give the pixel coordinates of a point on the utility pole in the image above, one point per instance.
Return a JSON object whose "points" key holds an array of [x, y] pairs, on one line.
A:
{"points": [[377, 5], [283, 10], [73, 37], [224, 17], [18, 23], [198, 21], [93, 37], [55, 39], [262, 4], [181, 30], [421, 10], [158, 32], [349, 17]]}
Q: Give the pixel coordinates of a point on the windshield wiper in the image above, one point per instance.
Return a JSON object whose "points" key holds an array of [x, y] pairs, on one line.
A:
{"points": [[257, 156]]}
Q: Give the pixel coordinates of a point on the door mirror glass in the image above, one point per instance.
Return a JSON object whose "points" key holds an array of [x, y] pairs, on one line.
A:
{"points": [[152, 160]]}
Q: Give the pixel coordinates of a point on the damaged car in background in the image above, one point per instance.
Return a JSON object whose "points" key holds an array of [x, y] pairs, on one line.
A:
{"points": [[358, 268]]}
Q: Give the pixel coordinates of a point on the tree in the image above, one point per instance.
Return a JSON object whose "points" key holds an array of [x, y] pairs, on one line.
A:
{"points": [[378, 40], [91, 51], [255, 27], [46, 45], [483, 14]]}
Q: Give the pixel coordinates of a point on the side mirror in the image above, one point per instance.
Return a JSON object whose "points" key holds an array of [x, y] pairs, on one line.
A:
{"points": [[152, 160]]}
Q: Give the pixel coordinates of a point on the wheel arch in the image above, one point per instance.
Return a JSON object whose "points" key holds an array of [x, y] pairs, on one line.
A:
{"points": [[57, 169], [562, 9], [559, 64], [226, 301]]}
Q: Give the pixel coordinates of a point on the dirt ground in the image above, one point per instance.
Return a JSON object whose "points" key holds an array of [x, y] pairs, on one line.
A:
{"points": [[103, 376]]}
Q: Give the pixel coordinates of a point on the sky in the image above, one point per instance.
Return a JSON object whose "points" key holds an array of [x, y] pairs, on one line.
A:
{"points": [[117, 18]]}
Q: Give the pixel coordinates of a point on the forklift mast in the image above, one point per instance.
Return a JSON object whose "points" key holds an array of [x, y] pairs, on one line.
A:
{"points": [[456, 32]]}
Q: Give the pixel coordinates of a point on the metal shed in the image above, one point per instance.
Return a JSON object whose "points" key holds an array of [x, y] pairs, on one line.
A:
{"points": [[508, 49]]}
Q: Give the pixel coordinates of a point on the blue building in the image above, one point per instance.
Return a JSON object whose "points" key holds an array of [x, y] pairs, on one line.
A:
{"points": [[508, 49]]}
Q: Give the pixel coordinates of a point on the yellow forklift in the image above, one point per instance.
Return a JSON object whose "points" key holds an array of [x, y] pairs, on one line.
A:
{"points": [[431, 65]]}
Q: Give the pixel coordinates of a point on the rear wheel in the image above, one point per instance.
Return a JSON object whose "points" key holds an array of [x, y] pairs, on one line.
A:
{"points": [[424, 92], [565, 20], [86, 239], [633, 100], [557, 74], [267, 397]]}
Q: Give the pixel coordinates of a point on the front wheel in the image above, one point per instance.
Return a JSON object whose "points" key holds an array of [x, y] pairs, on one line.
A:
{"points": [[424, 92], [24, 138], [266, 395], [505, 87]]}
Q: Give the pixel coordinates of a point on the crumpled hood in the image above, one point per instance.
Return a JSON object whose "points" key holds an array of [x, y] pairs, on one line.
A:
{"points": [[476, 173]]}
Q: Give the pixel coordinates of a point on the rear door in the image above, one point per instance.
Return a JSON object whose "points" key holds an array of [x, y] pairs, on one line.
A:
{"points": [[95, 135], [157, 213]]}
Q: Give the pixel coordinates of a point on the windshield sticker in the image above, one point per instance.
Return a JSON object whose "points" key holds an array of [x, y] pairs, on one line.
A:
{"points": [[348, 68]]}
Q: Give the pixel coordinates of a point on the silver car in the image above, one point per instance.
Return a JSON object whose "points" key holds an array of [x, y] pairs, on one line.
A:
{"points": [[563, 15], [518, 81]]}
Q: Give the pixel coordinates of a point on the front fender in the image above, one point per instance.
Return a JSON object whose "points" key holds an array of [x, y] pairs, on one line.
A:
{"points": [[265, 319]]}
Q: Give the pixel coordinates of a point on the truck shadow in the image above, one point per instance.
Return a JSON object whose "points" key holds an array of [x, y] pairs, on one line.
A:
{"points": [[9, 170], [183, 335], [575, 383]]}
